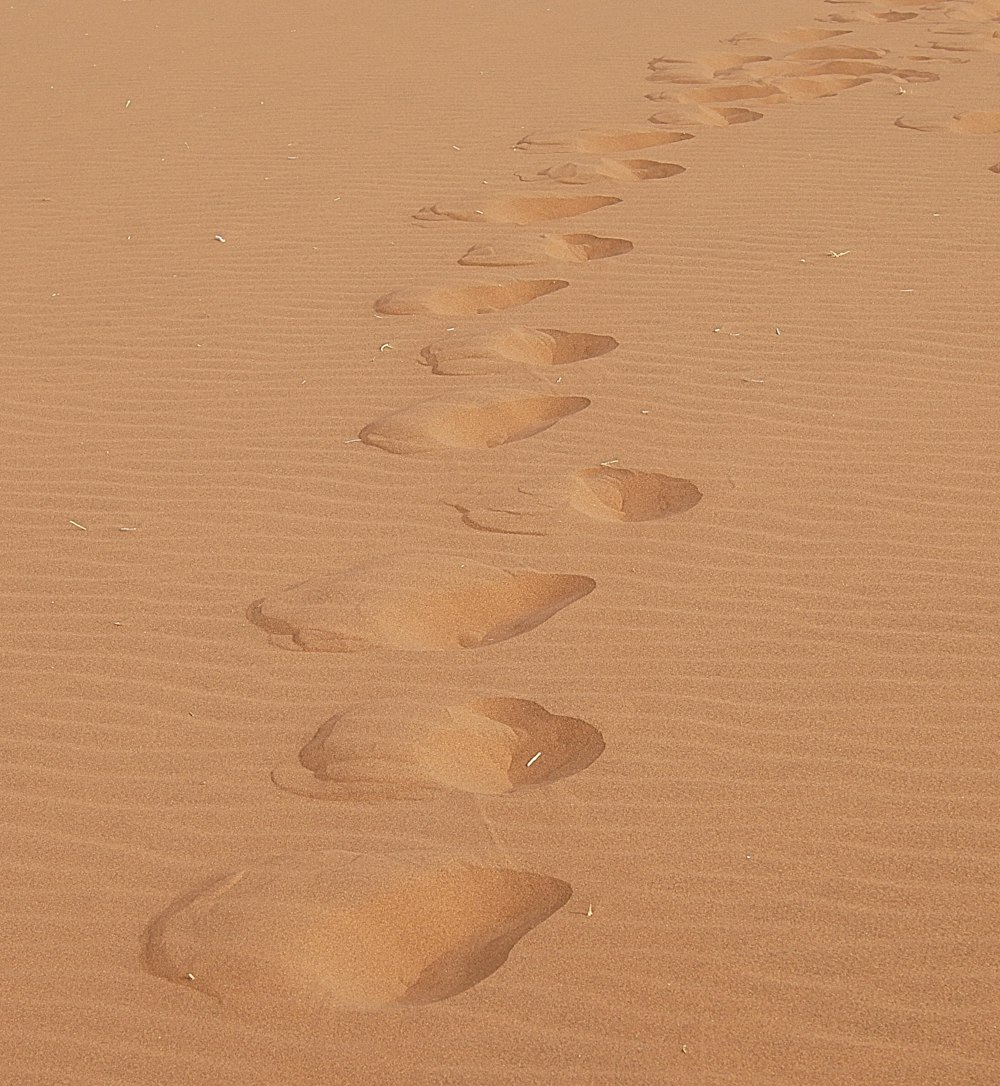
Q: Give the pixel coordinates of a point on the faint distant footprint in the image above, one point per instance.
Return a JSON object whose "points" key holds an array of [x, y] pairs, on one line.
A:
{"points": [[513, 347], [779, 89], [596, 141], [413, 750], [796, 34], [608, 492], [520, 210], [725, 92], [466, 299], [692, 114], [416, 604], [302, 936], [521, 251], [475, 419], [835, 52], [865, 16], [870, 68], [702, 67], [975, 123], [589, 173], [968, 39]]}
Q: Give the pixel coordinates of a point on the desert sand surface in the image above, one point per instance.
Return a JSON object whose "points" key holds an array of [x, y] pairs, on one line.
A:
{"points": [[500, 543]]}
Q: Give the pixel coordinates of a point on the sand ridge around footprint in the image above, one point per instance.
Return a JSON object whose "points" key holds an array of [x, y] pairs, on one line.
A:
{"points": [[415, 603], [311, 935], [406, 749]]}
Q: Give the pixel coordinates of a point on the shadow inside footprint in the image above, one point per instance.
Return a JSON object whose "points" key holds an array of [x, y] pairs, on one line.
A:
{"points": [[415, 604], [412, 750], [303, 936], [493, 352], [464, 300], [469, 420]]}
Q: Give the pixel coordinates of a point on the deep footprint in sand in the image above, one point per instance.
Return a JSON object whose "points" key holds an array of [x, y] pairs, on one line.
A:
{"points": [[597, 142], [312, 934], [626, 494], [605, 169], [413, 750], [518, 251], [517, 346], [475, 419], [608, 492], [463, 300], [520, 210], [419, 604]]}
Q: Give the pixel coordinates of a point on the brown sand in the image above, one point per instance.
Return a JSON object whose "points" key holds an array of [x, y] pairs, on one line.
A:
{"points": [[710, 524]]}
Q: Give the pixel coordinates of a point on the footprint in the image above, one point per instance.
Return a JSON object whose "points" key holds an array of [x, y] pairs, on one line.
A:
{"points": [[597, 142], [494, 352], [927, 120], [978, 122], [568, 248], [836, 52], [694, 114], [614, 493], [995, 168], [588, 173], [727, 92], [304, 936], [808, 88], [793, 36], [871, 17], [851, 67], [415, 604], [520, 210], [466, 299], [469, 420], [703, 66], [412, 750], [607, 492]]}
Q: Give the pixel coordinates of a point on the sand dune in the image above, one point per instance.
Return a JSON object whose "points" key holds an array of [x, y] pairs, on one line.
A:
{"points": [[580, 673]]}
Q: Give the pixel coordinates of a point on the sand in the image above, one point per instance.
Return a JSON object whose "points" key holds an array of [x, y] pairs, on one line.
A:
{"points": [[500, 561]]}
